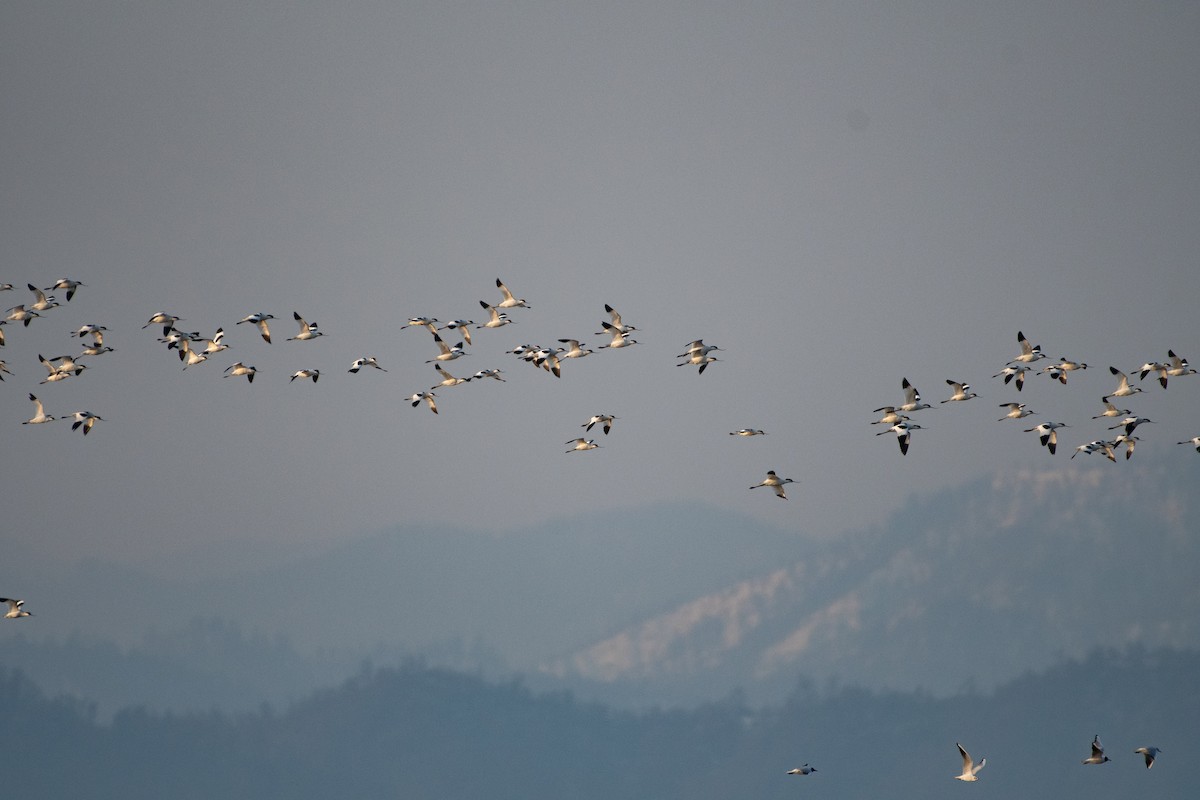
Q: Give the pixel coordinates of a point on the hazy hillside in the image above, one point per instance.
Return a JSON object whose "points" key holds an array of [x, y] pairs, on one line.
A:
{"points": [[671, 604], [977, 583], [422, 733]]}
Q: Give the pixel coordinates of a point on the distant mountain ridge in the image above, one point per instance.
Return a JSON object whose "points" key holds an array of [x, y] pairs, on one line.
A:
{"points": [[975, 584], [670, 604]]}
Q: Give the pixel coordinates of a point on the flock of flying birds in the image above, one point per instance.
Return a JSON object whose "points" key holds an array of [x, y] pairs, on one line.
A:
{"points": [[1126, 421], [193, 348]]}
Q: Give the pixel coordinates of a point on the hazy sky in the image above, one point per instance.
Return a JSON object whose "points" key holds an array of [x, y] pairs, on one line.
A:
{"points": [[839, 194]]}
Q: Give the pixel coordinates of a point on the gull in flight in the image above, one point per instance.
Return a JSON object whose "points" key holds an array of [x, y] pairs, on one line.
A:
{"points": [[616, 321], [495, 318], [1059, 371], [427, 397], [1097, 756], [890, 416], [619, 337], [509, 301], [1014, 373], [40, 414], [1097, 446], [193, 357], [970, 769], [308, 330], [166, 320], [1123, 388], [463, 325], [1179, 366], [582, 444], [775, 482], [260, 320], [1029, 352], [903, 434], [1149, 753], [366, 361], [1015, 411], [912, 398], [305, 373], [805, 770], [15, 609], [21, 314], [69, 285], [447, 353], [447, 378], [1110, 410], [747, 432], [65, 368], [238, 368], [1048, 434], [604, 420], [574, 349], [42, 301], [86, 419], [961, 391]]}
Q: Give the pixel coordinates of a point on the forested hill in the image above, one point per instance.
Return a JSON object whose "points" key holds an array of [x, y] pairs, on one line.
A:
{"points": [[416, 732]]}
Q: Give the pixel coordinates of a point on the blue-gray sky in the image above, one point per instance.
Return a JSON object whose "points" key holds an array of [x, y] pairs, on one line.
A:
{"points": [[839, 194]]}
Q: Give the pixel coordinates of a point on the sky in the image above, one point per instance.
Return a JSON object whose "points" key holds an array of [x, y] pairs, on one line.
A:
{"points": [[838, 194]]}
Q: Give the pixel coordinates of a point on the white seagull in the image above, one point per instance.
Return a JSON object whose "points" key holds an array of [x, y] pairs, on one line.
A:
{"points": [[1123, 388], [427, 397], [15, 609], [509, 301], [1014, 373], [1097, 756], [447, 353], [86, 419], [970, 769], [40, 414], [903, 431], [495, 318], [1015, 411], [68, 284], [259, 320], [775, 482], [365, 361], [1048, 434], [604, 420], [1149, 753], [1029, 352], [308, 330], [238, 368], [961, 391]]}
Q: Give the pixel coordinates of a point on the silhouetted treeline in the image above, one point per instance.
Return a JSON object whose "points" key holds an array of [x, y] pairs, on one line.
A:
{"points": [[416, 732]]}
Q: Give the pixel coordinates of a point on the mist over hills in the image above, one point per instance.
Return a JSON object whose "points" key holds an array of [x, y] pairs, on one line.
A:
{"points": [[971, 586], [418, 732]]}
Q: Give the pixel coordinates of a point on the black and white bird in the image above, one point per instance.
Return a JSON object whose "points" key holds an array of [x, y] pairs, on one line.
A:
{"points": [[970, 770], [1015, 374], [365, 361], [962, 391], [581, 444], [314, 374], [1097, 756], [509, 301], [237, 368], [747, 432], [69, 285], [775, 482], [427, 397], [1149, 753], [308, 330], [39, 415], [1123, 388], [1015, 411], [903, 431], [1029, 352], [16, 609], [605, 421], [86, 420], [260, 321], [1048, 434], [445, 351], [496, 319], [804, 770]]}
